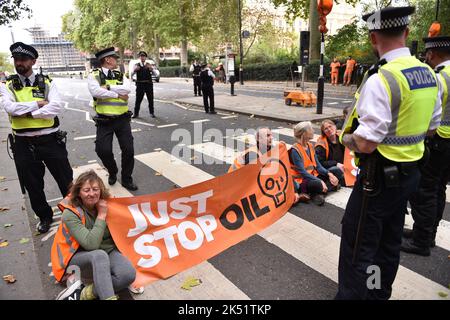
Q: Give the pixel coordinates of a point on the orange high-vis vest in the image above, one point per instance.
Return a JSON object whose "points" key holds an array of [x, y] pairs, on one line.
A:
{"points": [[322, 141], [239, 162], [64, 245], [308, 162]]}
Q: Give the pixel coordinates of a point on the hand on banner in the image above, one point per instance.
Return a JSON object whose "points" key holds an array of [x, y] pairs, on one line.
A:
{"points": [[102, 209], [340, 166]]}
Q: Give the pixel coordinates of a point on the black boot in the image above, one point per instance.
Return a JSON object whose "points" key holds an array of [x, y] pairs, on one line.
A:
{"points": [[409, 246]]}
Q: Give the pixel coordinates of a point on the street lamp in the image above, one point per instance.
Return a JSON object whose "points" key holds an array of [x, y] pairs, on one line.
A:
{"points": [[324, 8], [12, 34], [437, 9], [241, 50]]}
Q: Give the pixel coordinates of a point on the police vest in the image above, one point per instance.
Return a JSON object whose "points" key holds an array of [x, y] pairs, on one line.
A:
{"points": [[252, 154], [309, 162], [444, 129], [109, 106], [412, 89], [64, 245], [28, 94]]}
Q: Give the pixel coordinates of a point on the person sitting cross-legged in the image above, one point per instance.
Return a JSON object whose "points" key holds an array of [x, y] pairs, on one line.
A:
{"points": [[309, 175]]}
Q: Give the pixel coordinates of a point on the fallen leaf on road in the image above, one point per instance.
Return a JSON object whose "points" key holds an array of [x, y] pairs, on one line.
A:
{"points": [[4, 189], [7, 225], [443, 295], [24, 240], [82, 157], [158, 174], [194, 157], [3, 140], [9, 278], [252, 116], [2, 178], [4, 244], [22, 252], [190, 282], [37, 233], [4, 209], [23, 208]]}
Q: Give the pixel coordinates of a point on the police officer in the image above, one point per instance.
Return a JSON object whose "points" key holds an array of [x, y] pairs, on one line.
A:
{"points": [[33, 103], [395, 108], [196, 68], [428, 203], [110, 90], [144, 84], [207, 80]]}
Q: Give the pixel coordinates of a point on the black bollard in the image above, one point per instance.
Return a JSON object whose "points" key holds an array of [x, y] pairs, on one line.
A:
{"points": [[232, 81]]}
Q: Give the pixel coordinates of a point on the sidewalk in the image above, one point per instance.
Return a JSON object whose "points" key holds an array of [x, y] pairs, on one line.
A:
{"points": [[18, 258], [281, 85], [269, 108]]}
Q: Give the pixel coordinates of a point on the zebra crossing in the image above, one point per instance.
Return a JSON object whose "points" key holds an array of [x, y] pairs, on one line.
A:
{"points": [[295, 237]]}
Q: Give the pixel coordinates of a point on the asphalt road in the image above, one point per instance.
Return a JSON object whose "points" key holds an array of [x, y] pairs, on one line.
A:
{"points": [[259, 268]]}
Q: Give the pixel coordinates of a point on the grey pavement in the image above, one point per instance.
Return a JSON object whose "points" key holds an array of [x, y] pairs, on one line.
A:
{"points": [[17, 259], [267, 107]]}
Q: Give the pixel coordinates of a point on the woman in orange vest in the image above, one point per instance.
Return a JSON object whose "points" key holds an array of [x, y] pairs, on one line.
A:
{"points": [[330, 151], [83, 240], [308, 173]]}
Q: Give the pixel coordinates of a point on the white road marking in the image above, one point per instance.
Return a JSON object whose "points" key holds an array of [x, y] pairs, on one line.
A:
{"points": [[143, 123], [229, 117], [93, 136], [200, 121], [340, 199], [167, 125]]}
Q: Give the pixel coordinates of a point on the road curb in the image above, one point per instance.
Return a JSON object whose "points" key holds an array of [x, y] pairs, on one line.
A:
{"points": [[244, 112]]}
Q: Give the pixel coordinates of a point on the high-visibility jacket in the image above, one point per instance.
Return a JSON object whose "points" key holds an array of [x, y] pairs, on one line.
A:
{"points": [[309, 162], [64, 245], [109, 106], [252, 153], [322, 141], [29, 94], [412, 89], [444, 129]]}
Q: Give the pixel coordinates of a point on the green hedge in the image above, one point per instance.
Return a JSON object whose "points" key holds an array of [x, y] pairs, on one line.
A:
{"points": [[269, 71]]}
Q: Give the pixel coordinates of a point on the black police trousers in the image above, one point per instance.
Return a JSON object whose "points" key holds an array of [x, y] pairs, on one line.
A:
{"points": [[381, 238], [104, 146], [428, 203], [141, 89], [32, 155], [197, 85], [208, 98]]}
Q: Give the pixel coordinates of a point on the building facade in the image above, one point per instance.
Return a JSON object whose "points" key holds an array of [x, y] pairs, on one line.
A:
{"points": [[56, 54]]}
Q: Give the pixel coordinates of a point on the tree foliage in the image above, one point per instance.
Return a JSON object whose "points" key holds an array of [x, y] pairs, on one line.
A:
{"points": [[5, 65], [11, 10]]}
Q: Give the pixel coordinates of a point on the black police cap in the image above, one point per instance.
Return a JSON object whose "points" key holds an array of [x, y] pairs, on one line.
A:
{"points": [[20, 49], [388, 18], [440, 42], [142, 53], [106, 53]]}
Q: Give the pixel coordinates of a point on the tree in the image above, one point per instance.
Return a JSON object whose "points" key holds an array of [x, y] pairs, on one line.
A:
{"points": [[303, 9], [5, 65], [11, 10]]}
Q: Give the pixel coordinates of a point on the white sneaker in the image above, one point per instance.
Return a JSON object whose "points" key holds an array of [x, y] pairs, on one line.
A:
{"points": [[71, 293], [134, 290]]}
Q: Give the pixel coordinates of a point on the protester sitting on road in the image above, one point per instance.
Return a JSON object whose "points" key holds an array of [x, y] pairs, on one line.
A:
{"points": [[264, 141], [329, 149], [309, 175], [84, 240]]}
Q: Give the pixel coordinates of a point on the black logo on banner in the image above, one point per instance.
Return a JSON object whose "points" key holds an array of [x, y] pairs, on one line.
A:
{"points": [[271, 183]]}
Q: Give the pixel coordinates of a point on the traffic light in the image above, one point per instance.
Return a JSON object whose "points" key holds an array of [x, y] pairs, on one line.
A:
{"points": [[304, 48]]}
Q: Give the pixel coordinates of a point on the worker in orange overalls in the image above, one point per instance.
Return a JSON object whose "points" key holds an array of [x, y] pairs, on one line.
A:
{"points": [[350, 66], [335, 65]]}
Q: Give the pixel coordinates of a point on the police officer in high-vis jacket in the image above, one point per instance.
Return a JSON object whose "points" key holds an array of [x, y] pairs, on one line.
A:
{"points": [[110, 90], [33, 103], [428, 203], [394, 110]]}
